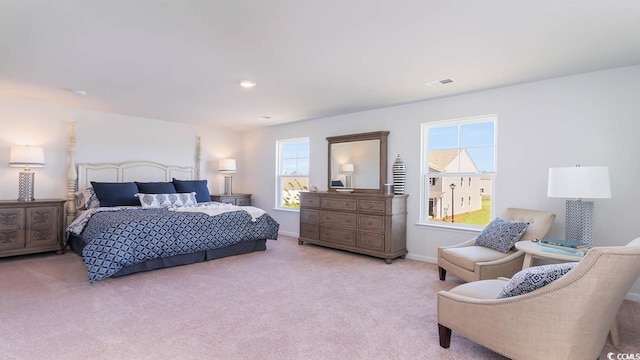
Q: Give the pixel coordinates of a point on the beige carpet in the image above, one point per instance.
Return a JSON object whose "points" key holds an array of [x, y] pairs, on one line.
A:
{"points": [[290, 302]]}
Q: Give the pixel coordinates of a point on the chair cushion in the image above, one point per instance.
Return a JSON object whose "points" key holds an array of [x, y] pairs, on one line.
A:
{"points": [[534, 278], [483, 289], [466, 257], [501, 234]]}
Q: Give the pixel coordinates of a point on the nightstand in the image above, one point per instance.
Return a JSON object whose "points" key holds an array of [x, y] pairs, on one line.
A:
{"points": [[28, 227], [235, 199]]}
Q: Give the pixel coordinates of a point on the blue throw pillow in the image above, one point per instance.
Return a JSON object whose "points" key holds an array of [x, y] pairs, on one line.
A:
{"points": [[116, 194], [156, 187], [197, 186], [501, 235], [534, 278]]}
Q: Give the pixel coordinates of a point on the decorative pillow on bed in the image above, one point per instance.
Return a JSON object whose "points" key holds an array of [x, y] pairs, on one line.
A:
{"points": [[167, 200], [197, 186], [534, 278], [156, 187], [87, 199], [501, 235], [116, 194]]}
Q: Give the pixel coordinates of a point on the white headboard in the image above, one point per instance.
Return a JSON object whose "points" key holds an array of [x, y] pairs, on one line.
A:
{"points": [[145, 171]]}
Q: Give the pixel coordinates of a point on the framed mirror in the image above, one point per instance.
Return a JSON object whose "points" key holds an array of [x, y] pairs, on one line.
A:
{"points": [[358, 162]]}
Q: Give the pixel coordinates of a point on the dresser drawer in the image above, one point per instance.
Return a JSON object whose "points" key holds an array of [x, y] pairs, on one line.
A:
{"points": [[337, 235], [309, 231], [309, 216], [371, 223], [375, 206], [336, 218], [372, 241], [309, 201], [339, 204]]}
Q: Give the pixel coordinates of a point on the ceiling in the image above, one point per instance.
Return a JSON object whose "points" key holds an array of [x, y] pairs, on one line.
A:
{"points": [[183, 60]]}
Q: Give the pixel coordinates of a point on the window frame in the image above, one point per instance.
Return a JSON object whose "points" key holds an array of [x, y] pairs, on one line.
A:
{"points": [[279, 193], [426, 177]]}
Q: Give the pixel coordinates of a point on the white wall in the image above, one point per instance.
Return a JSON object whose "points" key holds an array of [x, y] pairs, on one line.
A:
{"points": [[104, 137], [588, 119]]}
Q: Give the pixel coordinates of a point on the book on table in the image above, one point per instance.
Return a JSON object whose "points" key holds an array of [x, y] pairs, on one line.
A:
{"points": [[566, 243], [582, 248], [565, 251]]}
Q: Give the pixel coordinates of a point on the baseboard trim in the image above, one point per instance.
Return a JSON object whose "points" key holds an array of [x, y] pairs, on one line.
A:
{"points": [[287, 233], [633, 297]]}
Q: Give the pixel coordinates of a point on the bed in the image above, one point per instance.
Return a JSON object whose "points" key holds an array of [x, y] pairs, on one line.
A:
{"points": [[124, 239]]}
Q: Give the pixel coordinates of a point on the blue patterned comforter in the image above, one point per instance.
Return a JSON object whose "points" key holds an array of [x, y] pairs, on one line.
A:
{"points": [[116, 239]]}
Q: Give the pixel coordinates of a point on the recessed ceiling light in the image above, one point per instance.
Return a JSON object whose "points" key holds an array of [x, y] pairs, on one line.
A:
{"points": [[247, 83], [79, 92], [440, 82], [264, 118]]}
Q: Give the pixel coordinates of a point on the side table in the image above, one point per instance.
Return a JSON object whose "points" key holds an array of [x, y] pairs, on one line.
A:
{"points": [[235, 199]]}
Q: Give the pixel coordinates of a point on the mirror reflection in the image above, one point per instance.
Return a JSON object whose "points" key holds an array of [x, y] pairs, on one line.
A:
{"points": [[355, 164]]}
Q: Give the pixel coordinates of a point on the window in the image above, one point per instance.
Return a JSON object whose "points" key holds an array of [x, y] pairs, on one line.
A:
{"points": [[454, 151], [293, 172]]}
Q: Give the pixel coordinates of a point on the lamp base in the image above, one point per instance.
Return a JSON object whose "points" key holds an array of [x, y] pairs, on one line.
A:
{"points": [[579, 218], [227, 185], [26, 180]]}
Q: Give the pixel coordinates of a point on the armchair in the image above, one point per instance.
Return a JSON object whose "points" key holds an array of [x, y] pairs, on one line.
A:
{"points": [[471, 262], [566, 319]]}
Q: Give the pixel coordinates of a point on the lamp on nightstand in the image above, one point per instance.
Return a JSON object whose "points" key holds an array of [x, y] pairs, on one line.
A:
{"points": [[27, 157], [579, 182], [227, 166]]}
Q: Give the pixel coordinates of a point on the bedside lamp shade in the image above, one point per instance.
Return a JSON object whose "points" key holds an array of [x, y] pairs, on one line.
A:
{"points": [[27, 157], [579, 182], [227, 166]]}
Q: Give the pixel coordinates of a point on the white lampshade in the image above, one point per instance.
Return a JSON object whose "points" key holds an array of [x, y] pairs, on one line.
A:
{"points": [[579, 182], [26, 156], [347, 168], [227, 165]]}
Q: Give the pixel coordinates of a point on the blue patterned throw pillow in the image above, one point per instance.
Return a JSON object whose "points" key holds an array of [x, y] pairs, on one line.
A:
{"points": [[501, 235], [167, 200], [534, 278]]}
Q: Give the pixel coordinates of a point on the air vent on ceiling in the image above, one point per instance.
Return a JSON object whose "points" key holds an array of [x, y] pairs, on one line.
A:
{"points": [[440, 82]]}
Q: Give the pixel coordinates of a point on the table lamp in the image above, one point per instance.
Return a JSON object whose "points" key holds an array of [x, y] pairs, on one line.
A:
{"points": [[579, 182], [27, 157], [347, 169], [227, 166]]}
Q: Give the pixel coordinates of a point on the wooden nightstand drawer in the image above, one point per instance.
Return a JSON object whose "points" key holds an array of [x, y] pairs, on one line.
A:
{"points": [[337, 235], [341, 219], [371, 223], [234, 199]]}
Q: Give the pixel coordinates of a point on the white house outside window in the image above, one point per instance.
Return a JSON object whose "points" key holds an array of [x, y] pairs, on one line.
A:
{"points": [[293, 172], [454, 151]]}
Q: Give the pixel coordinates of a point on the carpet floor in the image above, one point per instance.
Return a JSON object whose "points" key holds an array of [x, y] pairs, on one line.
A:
{"points": [[290, 302]]}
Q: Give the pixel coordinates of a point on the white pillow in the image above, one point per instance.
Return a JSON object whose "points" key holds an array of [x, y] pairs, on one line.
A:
{"points": [[167, 200], [87, 199]]}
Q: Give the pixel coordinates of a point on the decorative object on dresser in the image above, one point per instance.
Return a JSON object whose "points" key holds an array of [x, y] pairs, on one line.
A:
{"points": [[27, 157], [31, 227], [235, 199], [579, 182], [399, 175], [227, 166], [365, 223]]}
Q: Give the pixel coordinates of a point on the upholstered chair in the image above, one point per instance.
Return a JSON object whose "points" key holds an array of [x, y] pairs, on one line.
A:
{"points": [[471, 262], [569, 318]]}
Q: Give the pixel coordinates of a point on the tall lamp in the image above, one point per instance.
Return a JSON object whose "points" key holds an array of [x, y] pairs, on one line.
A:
{"points": [[27, 157], [347, 169], [228, 167], [579, 182]]}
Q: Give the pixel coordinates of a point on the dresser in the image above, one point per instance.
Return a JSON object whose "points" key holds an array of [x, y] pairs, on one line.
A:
{"points": [[235, 199], [370, 224], [28, 227]]}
